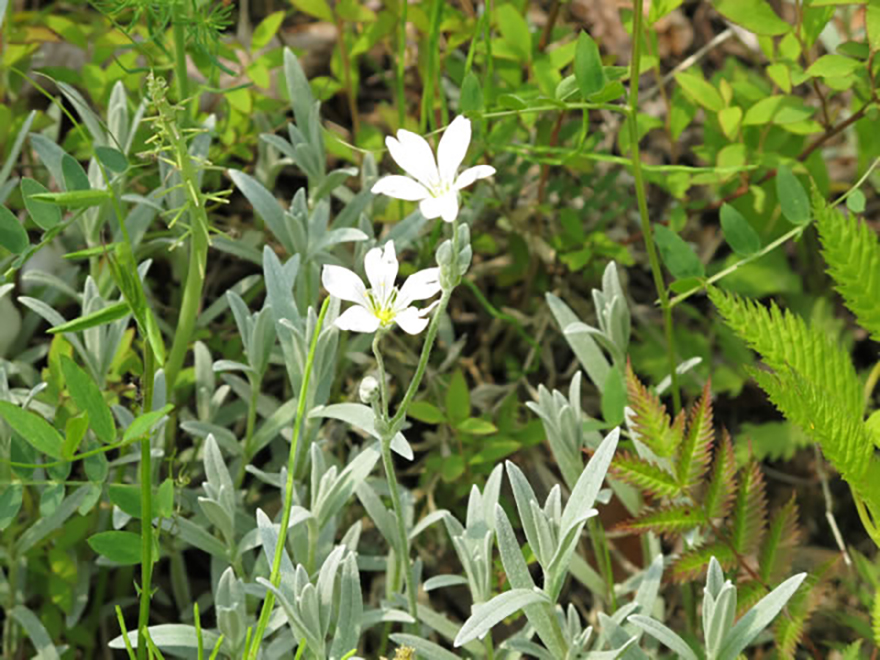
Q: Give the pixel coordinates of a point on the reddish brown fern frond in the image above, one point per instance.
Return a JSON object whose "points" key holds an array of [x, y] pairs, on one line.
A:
{"points": [[668, 520], [749, 510], [693, 563], [695, 451], [722, 484], [650, 420], [783, 535], [647, 477]]}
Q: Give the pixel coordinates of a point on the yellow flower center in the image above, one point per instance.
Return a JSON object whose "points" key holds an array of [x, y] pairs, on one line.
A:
{"points": [[385, 316]]}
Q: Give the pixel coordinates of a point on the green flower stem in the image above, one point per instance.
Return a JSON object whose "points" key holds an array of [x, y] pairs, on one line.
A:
{"points": [[401, 63], [146, 509], [380, 364], [275, 575], [181, 76], [648, 232]]}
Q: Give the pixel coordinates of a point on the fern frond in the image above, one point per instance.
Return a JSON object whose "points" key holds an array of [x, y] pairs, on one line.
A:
{"points": [[843, 436], [785, 342], [749, 510], [722, 485], [748, 593], [694, 452], [668, 520], [852, 252], [693, 563], [650, 420], [774, 559], [645, 476]]}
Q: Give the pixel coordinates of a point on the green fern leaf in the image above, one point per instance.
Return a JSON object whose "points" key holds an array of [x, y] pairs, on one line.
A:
{"points": [[650, 421], [853, 651], [774, 560], [749, 510], [852, 252], [693, 563], [668, 520], [748, 593], [694, 452], [786, 342], [645, 476], [722, 485]]}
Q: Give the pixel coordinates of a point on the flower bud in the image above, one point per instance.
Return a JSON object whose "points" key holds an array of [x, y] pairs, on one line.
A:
{"points": [[444, 254], [369, 390]]}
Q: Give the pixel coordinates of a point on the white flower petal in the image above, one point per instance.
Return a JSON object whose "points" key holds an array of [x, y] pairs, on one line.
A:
{"points": [[342, 283], [471, 174], [453, 147], [419, 286], [357, 319], [445, 206], [400, 187], [381, 268], [411, 321], [414, 155]]}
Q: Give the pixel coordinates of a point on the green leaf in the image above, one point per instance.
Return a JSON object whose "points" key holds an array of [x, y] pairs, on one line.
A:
{"points": [[426, 412], [678, 256], [477, 426], [267, 29], [471, 94], [89, 399], [317, 8], [614, 397], [485, 615], [700, 91], [754, 15], [112, 159], [872, 24], [588, 69], [44, 215], [671, 521], [13, 237], [74, 431], [856, 201], [75, 177], [34, 429], [834, 66], [164, 502], [650, 419], [792, 197], [852, 251], [730, 120], [10, 504], [75, 199], [515, 31], [738, 232], [144, 423], [458, 398], [102, 316], [126, 497], [120, 547], [646, 476]]}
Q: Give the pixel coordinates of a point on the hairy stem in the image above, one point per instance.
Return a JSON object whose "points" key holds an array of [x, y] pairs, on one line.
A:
{"points": [[642, 199], [275, 575]]}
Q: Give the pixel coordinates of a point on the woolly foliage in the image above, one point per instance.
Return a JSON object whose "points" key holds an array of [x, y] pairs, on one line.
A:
{"points": [[852, 251]]}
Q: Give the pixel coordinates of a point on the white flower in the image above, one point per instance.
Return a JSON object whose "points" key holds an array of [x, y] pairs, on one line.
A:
{"points": [[383, 303], [432, 183]]}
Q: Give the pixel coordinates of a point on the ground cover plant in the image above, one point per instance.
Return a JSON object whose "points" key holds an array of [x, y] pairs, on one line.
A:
{"points": [[439, 329]]}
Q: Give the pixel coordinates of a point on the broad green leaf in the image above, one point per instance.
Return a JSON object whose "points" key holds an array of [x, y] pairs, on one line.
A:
{"points": [[267, 29], [458, 398], [317, 8], [588, 69], [10, 503], [89, 399], [471, 94], [678, 256], [74, 431], [44, 215], [834, 66], [143, 424], [614, 397], [730, 119], [103, 316], [34, 429], [426, 412], [792, 197], [738, 233], [13, 237], [754, 15], [36, 632], [163, 505], [872, 24], [126, 497], [75, 199], [75, 177], [856, 201], [700, 91], [120, 547], [477, 426], [112, 159], [515, 31]]}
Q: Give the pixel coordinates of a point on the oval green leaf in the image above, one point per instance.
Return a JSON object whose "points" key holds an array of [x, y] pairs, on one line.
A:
{"points": [[678, 256], [120, 547], [792, 197], [44, 215], [738, 233], [89, 399], [34, 429], [12, 235]]}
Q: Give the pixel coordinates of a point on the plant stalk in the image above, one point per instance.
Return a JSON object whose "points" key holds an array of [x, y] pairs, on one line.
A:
{"points": [[275, 575], [638, 15], [146, 477]]}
